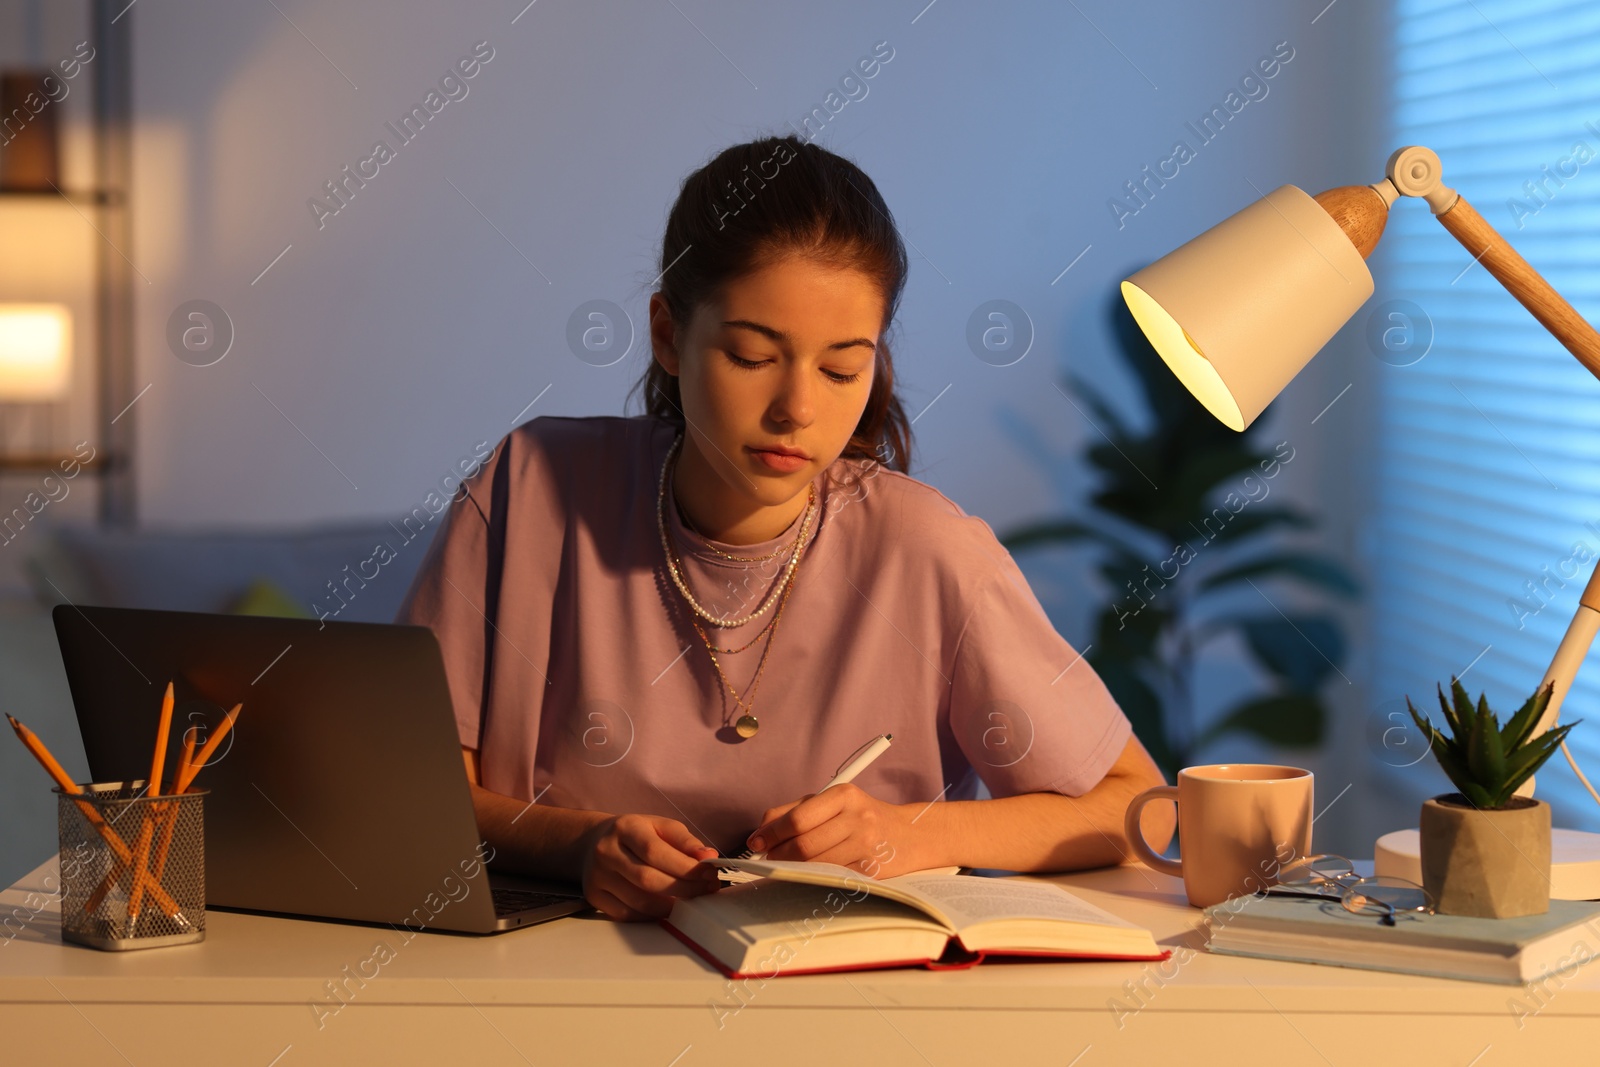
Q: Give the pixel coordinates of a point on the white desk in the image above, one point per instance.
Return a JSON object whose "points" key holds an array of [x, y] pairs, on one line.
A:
{"points": [[592, 992]]}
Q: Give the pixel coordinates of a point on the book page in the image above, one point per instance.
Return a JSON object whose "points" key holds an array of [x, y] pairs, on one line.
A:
{"points": [[771, 926], [738, 877], [833, 875], [969, 900], [775, 907]]}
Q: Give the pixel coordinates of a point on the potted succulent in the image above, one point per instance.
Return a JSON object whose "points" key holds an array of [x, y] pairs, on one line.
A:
{"points": [[1486, 851]]}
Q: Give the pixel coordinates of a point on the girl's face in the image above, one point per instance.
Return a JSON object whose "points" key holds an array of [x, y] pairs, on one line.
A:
{"points": [[773, 376]]}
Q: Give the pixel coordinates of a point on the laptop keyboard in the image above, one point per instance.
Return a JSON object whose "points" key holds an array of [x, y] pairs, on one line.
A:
{"points": [[508, 901]]}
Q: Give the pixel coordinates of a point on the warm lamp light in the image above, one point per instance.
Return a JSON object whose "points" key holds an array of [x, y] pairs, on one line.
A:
{"points": [[35, 351], [1237, 311], [1240, 309]]}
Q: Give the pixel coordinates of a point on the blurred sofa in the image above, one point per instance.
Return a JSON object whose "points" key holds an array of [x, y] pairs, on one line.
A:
{"points": [[226, 571], [257, 572]]}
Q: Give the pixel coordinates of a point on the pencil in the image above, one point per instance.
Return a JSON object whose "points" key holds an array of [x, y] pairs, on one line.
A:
{"points": [[184, 757], [158, 760], [42, 754], [189, 765], [147, 825], [199, 761], [118, 846], [116, 872]]}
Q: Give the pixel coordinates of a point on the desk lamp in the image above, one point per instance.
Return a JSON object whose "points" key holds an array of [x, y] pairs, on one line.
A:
{"points": [[1239, 310]]}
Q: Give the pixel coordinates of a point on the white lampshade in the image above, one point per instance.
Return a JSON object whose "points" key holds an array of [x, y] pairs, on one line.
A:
{"points": [[35, 351], [1240, 309]]}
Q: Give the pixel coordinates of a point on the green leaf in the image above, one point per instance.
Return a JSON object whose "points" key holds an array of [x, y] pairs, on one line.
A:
{"points": [[1254, 520], [1451, 764], [1485, 758], [1447, 749], [1294, 719], [1205, 476], [1313, 569], [1061, 532], [1142, 706], [1531, 756], [1456, 730], [1474, 742], [1520, 728], [1429, 731], [1103, 411], [1120, 568], [1476, 795], [1125, 631], [1300, 649], [1464, 713]]}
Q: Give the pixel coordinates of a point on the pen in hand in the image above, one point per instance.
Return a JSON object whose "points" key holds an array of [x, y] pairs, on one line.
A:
{"points": [[852, 767]]}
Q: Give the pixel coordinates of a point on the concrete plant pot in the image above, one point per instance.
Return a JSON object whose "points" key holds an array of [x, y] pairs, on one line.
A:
{"points": [[1492, 863]]}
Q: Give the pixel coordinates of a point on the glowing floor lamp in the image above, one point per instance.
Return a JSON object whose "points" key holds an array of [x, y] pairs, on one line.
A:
{"points": [[35, 351], [35, 370], [1239, 310]]}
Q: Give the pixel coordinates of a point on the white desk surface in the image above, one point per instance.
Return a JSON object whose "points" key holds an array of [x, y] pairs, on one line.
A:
{"points": [[585, 990]]}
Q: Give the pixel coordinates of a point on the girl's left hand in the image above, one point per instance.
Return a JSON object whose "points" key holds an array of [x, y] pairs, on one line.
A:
{"points": [[843, 825]]}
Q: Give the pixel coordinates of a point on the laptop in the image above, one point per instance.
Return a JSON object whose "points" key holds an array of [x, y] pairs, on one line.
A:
{"points": [[340, 792]]}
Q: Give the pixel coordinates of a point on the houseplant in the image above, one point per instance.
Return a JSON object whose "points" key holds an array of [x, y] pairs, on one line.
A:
{"points": [[1486, 851], [1192, 551]]}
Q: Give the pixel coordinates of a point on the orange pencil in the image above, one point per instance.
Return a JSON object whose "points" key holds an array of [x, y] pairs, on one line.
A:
{"points": [[158, 759], [184, 757], [116, 872], [118, 846], [42, 754], [199, 761], [189, 765], [147, 826]]}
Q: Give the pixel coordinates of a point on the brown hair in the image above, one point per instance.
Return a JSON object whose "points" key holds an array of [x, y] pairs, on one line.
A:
{"points": [[761, 201]]}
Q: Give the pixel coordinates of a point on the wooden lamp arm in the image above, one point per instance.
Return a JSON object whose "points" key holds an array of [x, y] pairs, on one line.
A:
{"points": [[1486, 245], [1363, 210]]}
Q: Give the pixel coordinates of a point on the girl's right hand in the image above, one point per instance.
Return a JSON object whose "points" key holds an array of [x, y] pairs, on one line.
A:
{"points": [[634, 865]]}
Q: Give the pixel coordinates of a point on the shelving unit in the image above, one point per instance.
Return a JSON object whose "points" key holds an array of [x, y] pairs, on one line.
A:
{"points": [[111, 35]]}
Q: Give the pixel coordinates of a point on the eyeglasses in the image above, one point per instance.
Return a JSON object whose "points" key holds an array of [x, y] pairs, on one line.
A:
{"points": [[1329, 877]]}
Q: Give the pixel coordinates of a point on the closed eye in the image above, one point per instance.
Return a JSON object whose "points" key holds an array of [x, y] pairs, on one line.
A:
{"points": [[754, 364]]}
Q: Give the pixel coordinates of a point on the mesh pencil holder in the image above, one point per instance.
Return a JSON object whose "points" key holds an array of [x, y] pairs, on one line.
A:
{"points": [[109, 831]]}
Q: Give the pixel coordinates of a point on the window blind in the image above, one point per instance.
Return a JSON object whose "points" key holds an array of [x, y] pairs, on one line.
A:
{"points": [[1487, 510]]}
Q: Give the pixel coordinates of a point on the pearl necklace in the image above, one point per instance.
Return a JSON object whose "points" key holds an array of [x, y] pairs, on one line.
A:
{"points": [[674, 569]]}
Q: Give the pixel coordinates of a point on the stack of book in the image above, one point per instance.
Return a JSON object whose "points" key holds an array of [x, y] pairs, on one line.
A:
{"points": [[1516, 950]]}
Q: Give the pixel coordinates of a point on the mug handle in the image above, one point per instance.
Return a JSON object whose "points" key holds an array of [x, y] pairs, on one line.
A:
{"points": [[1135, 833]]}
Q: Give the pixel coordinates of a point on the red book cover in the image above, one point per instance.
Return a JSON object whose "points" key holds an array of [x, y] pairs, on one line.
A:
{"points": [[955, 958]]}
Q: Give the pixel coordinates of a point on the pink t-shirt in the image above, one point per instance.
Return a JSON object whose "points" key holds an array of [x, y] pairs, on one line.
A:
{"points": [[575, 672]]}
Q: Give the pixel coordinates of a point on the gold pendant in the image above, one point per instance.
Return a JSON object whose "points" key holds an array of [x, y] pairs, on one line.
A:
{"points": [[746, 726]]}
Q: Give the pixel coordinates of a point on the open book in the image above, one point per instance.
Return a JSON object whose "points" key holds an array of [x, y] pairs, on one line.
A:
{"points": [[806, 917]]}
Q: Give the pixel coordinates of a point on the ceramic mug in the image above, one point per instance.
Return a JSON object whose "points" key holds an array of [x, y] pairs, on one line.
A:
{"points": [[1238, 824]]}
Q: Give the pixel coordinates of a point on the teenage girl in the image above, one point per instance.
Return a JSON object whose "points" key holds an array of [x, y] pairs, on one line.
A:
{"points": [[664, 633]]}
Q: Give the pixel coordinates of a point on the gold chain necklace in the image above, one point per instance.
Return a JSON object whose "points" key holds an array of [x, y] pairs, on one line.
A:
{"points": [[774, 554], [675, 570], [747, 724]]}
